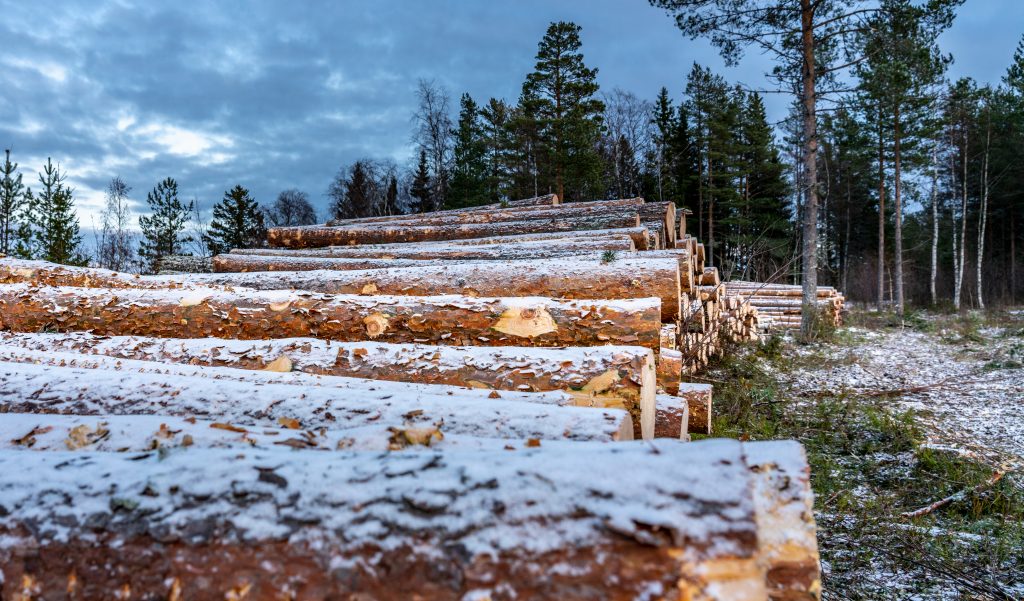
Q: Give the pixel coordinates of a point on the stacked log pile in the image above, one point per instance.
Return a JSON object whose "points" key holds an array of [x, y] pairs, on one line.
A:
{"points": [[424, 396], [780, 306]]}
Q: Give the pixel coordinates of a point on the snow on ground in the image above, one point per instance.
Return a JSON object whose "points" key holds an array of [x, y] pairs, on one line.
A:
{"points": [[968, 394]]}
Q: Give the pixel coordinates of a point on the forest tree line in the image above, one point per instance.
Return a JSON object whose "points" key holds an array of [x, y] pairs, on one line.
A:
{"points": [[907, 164]]}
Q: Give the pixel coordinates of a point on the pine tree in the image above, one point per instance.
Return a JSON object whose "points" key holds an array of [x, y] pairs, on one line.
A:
{"points": [[12, 197], [495, 129], [162, 228], [469, 169], [237, 222], [56, 225], [903, 63], [559, 95], [421, 190]]}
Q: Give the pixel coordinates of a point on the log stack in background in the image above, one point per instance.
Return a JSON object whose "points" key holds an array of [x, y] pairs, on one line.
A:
{"points": [[521, 342], [780, 306]]}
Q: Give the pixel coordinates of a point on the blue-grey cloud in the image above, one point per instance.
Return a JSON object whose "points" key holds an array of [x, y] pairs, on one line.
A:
{"points": [[274, 95]]}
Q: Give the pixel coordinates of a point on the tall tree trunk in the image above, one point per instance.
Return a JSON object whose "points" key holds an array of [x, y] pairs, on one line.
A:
{"points": [[846, 238], [958, 285], [810, 130], [881, 213], [711, 213], [983, 209], [935, 224], [898, 233], [1013, 260]]}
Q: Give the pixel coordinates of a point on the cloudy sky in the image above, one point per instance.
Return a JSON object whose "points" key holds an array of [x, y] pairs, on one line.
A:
{"points": [[274, 95]]}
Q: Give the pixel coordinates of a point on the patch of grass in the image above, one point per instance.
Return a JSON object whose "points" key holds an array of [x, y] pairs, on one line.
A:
{"points": [[608, 256], [868, 465]]}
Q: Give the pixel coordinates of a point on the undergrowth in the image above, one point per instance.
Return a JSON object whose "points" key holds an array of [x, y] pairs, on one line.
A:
{"points": [[869, 464]]}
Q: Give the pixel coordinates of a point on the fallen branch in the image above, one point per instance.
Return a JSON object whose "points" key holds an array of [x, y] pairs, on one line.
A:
{"points": [[959, 496]]}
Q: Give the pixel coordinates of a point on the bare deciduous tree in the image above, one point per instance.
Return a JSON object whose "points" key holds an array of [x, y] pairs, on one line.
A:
{"points": [[115, 247], [291, 208], [434, 134]]}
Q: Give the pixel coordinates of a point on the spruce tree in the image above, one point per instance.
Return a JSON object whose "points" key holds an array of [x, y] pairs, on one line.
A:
{"points": [[559, 96], [495, 129], [420, 190], [359, 198], [391, 196], [55, 223], [237, 222], [663, 119], [162, 228], [761, 226], [469, 169], [12, 197]]}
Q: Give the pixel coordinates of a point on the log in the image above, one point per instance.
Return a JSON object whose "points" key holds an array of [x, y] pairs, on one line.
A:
{"points": [[547, 200], [541, 249], [665, 212], [44, 273], [497, 215], [687, 278], [254, 315], [210, 523], [710, 277], [241, 403], [672, 419], [567, 277], [570, 278], [788, 544], [313, 236], [616, 377], [698, 399], [670, 369], [165, 433], [638, 234], [242, 263]]}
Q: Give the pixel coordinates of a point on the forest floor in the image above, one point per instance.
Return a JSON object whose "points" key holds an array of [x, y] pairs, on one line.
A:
{"points": [[894, 418]]}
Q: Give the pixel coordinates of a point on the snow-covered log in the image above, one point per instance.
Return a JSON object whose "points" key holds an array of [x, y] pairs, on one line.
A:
{"points": [[784, 505], [384, 233], [660, 217], [500, 214], [567, 277], [518, 251], [238, 401], [142, 433], [698, 399], [605, 376], [638, 234], [671, 418], [249, 314], [540, 522], [547, 200]]}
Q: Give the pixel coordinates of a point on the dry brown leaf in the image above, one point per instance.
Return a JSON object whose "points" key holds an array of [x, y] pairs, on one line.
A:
{"points": [[83, 436], [405, 437], [533, 442], [228, 427], [290, 423], [30, 439]]}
